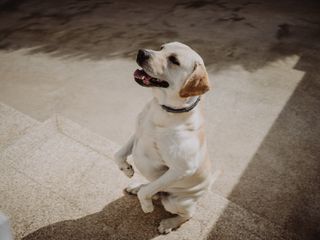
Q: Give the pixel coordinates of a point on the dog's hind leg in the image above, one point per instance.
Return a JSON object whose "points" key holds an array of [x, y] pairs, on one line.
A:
{"points": [[169, 224], [182, 206]]}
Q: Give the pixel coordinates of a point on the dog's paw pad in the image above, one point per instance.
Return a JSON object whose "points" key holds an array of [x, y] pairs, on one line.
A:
{"points": [[128, 170]]}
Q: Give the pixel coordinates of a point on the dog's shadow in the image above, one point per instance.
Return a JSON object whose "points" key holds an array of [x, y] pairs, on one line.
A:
{"points": [[120, 219]]}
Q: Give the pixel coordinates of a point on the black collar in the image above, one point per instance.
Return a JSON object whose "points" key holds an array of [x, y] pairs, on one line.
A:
{"points": [[181, 110]]}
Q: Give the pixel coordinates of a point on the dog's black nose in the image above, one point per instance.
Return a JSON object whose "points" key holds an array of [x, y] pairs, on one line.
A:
{"points": [[142, 56]]}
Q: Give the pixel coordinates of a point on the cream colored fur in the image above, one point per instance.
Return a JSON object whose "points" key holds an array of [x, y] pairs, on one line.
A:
{"points": [[170, 149]]}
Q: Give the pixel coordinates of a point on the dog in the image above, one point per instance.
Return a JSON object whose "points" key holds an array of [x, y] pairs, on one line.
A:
{"points": [[169, 146]]}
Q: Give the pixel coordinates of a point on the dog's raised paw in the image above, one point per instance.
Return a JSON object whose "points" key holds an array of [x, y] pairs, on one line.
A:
{"points": [[128, 170]]}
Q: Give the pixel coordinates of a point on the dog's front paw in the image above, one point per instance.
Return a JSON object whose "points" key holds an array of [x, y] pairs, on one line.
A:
{"points": [[145, 201], [147, 206], [123, 165], [127, 169]]}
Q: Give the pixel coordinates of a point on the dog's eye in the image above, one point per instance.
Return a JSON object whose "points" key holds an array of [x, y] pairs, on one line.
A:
{"points": [[161, 47], [173, 59]]}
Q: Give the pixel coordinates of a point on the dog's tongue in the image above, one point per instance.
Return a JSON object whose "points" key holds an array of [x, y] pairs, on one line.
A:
{"points": [[142, 75]]}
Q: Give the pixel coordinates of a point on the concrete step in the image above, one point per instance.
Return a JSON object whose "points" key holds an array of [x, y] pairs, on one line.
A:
{"points": [[56, 172], [59, 182], [13, 125]]}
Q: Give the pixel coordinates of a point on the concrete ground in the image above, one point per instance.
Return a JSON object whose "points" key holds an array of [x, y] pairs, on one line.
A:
{"points": [[76, 59]]}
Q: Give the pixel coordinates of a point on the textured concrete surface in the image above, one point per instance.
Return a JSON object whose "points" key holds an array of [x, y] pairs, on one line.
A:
{"points": [[75, 58], [285, 168], [13, 125], [30, 205], [57, 184]]}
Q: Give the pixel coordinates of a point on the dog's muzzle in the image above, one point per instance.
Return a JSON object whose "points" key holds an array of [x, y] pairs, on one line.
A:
{"points": [[140, 75], [142, 56]]}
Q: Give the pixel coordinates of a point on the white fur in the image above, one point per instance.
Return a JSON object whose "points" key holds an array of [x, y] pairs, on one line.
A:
{"points": [[165, 146]]}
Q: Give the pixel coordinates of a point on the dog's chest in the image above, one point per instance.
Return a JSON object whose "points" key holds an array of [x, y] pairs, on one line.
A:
{"points": [[146, 151]]}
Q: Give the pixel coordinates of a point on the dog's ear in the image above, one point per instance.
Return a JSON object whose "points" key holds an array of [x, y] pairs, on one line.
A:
{"points": [[197, 84]]}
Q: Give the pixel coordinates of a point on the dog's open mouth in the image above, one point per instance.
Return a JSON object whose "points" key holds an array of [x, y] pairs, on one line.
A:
{"points": [[145, 80]]}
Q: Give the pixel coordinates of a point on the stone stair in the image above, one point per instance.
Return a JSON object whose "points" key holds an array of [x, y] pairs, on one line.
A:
{"points": [[58, 181], [13, 125]]}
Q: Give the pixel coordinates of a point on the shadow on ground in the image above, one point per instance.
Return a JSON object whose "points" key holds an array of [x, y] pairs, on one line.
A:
{"points": [[120, 219], [282, 181], [249, 33]]}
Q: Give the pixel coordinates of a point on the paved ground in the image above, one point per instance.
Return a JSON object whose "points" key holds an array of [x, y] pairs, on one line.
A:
{"points": [[75, 58]]}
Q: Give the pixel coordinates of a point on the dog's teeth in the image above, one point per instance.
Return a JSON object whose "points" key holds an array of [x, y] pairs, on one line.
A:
{"points": [[143, 77]]}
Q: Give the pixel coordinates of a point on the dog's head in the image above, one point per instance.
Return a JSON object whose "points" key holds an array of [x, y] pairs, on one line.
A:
{"points": [[175, 71]]}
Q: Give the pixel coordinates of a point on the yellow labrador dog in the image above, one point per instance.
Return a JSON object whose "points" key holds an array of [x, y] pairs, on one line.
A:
{"points": [[169, 144]]}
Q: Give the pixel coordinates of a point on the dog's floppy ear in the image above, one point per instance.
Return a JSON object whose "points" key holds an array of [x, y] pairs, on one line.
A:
{"points": [[197, 84]]}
